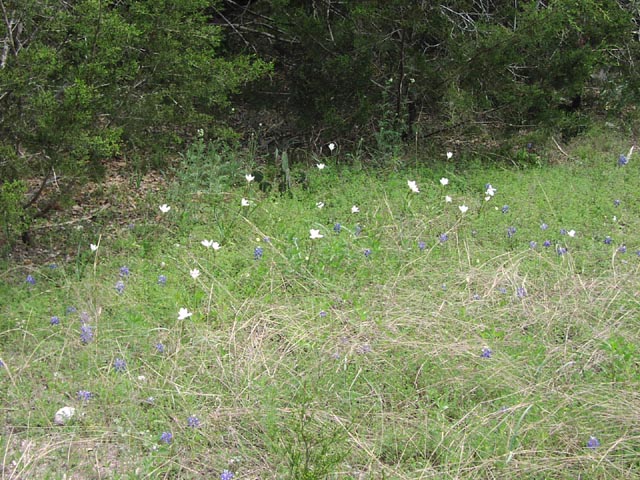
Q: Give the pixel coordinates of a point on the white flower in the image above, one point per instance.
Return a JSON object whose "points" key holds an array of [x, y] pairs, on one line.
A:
{"points": [[444, 181], [413, 186], [320, 166], [93, 247], [448, 199], [210, 244], [195, 273], [184, 313], [463, 208], [244, 202], [355, 209], [332, 146], [449, 155], [490, 191], [487, 198], [165, 208], [250, 178], [313, 234], [571, 233], [320, 204]]}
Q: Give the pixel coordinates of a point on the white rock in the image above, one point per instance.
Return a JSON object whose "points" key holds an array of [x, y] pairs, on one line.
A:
{"points": [[63, 415]]}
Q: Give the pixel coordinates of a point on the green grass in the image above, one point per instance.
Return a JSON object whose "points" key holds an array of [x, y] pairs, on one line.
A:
{"points": [[318, 361]]}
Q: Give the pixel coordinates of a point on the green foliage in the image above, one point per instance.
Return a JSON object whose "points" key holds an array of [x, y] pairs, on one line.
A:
{"points": [[12, 215]]}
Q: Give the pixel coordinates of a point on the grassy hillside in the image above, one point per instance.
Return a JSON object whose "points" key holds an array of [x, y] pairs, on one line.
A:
{"points": [[407, 340]]}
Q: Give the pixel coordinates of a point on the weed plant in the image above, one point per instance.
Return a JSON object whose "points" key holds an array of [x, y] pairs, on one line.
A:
{"points": [[400, 339]]}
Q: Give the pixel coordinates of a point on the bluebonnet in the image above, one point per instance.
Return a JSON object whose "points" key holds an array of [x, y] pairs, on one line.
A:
{"points": [[505, 209], [86, 333], [367, 252], [443, 237], [616, 202], [358, 230], [486, 352], [1, 364], [502, 290], [521, 292], [561, 250], [226, 475], [84, 395], [193, 421], [119, 365], [511, 231], [84, 317], [476, 296], [533, 244], [71, 310], [30, 280], [119, 286], [124, 271], [622, 249], [162, 279], [563, 231], [544, 226], [622, 161], [166, 437], [607, 240], [337, 227], [323, 314], [159, 347], [593, 442], [257, 253], [547, 243], [421, 245], [54, 320]]}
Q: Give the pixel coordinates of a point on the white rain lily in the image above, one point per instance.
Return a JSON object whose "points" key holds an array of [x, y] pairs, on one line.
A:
{"points": [[244, 202], [449, 155], [448, 199], [320, 166], [313, 234], [320, 204], [487, 198], [463, 208], [184, 313], [332, 146], [444, 181], [195, 273], [355, 209], [490, 191], [413, 186], [165, 208], [93, 247], [571, 233], [210, 244], [250, 178]]}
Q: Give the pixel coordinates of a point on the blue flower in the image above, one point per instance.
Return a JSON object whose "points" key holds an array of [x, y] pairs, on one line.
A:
{"points": [[593, 442], [443, 238], [563, 231], [30, 280], [257, 253], [337, 227], [607, 240], [193, 421], [486, 352], [622, 249], [54, 320], [511, 231], [323, 314], [162, 279], [547, 243], [521, 292], [124, 271], [367, 252], [84, 395], [421, 245], [71, 310], [616, 203], [86, 333], [159, 347], [226, 475], [622, 161], [119, 365], [505, 209], [561, 250], [533, 244], [544, 226], [166, 437], [119, 287], [358, 230]]}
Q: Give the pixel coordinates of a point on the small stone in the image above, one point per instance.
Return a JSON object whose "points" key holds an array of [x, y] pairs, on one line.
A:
{"points": [[63, 415]]}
